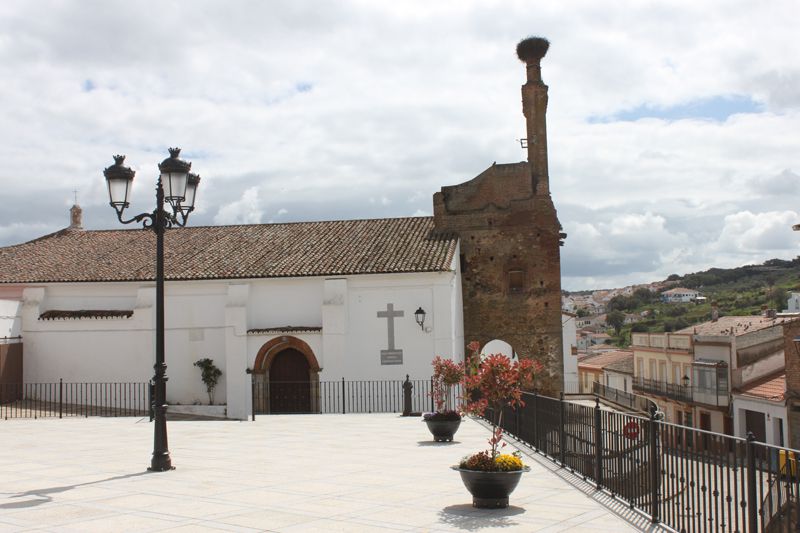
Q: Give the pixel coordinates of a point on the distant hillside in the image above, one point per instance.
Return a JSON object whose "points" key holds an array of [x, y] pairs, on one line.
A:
{"points": [[772, 272], [737, 291]]}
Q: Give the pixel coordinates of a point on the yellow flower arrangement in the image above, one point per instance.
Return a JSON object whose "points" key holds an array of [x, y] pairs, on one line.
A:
{"points": [[508, 463]]}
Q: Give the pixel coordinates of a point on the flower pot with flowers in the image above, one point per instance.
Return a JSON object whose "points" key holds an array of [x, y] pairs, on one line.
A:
{"points": [[444, 422], [496, 383]]}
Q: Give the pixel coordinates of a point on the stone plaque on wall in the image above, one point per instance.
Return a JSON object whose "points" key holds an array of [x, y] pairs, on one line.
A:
{"points": [[391, 357]]}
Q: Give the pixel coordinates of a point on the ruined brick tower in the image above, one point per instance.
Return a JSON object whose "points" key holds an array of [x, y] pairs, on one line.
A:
{"points": [[510, 238]]}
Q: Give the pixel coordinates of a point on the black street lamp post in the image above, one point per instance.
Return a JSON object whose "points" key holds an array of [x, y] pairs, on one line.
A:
{"points": [[176, 187]]}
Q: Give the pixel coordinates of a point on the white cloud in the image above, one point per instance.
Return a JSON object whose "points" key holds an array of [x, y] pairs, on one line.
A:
{"points": [[747, 233], [332, 110], [246, 210]]}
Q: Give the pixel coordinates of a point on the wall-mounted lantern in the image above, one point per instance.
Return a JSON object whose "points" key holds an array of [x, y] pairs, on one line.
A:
{"points": [[419, 316]]}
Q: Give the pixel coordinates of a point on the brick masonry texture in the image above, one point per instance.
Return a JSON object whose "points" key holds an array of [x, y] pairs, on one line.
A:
{"points": [[510, 247]]}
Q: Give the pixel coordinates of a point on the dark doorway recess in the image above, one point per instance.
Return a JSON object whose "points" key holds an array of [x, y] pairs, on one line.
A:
{"points": [[289, 383]]}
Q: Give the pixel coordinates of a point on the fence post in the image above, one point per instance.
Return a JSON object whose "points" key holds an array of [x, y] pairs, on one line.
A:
{"points": [[60, 397], [752, 501], [344, 398], [655, 457], [535, 442], [598, 444], [562, 435], [407, 386]]}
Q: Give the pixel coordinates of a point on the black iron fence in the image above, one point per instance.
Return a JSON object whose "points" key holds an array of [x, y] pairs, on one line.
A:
{"points": [[65, 399], [690, 480], [346, 396], [625, 399]]}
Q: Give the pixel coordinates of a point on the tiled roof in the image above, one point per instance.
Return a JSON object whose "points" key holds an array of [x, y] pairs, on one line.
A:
{"points": [[600, 360], [679, 290], [623, 366], [770, 388], [734, 325], [285, 329], [389, 245], [76, 315]]}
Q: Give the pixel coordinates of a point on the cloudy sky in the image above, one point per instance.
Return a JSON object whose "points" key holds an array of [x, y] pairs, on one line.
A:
{"points": [[674, 127]]}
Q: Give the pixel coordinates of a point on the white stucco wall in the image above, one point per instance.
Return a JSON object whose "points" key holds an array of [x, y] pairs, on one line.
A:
{"points": [[212, 319], [569, 341], [775, 415], [10, 319]]}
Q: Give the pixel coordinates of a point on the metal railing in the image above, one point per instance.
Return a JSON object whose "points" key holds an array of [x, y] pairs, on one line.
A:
{"points": [[625, 399], [688, 479], [345, 396], [683, 393], [69, 399], [661, 388]]}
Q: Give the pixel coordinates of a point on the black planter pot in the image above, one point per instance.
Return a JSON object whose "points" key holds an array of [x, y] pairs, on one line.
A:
{"points": [[490, 490], [443, 430]]}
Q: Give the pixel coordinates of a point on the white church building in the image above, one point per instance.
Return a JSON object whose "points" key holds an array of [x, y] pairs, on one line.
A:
{"points": [[331, 300]]}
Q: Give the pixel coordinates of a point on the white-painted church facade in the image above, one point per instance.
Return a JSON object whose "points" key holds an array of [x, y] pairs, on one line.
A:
{"points": [[352, 327]]}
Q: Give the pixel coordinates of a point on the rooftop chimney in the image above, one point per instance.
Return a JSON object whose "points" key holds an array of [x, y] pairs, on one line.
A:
{"points": [[75, 217], [534, 106]]}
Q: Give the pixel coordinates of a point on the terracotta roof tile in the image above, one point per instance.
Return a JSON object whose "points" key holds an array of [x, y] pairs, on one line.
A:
{"points": [[76, 315], [600, 360], [769, 388], [342, 247], [734, 325]]}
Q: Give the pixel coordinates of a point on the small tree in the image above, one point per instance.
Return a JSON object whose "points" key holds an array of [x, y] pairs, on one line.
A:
{"points": [[446, 374], [210, 376], [500, 382], [615, 319]]}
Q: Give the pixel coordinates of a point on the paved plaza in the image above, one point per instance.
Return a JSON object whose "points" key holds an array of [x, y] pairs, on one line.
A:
{"points": [[280, 473]]}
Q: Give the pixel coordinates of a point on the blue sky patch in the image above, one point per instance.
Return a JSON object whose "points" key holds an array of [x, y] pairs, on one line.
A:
{"points": [[88, 86], [717, 108], [303, 87]]}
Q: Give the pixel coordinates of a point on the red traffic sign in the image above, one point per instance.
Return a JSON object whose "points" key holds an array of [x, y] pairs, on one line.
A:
{"points": [[631, 430]]}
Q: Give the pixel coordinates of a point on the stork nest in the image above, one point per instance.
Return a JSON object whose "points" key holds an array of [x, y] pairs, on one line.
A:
{"points": [[532, 49]]}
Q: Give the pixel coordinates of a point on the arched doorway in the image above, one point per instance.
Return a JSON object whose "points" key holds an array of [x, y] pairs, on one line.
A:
{"points": [[499, 346], [285, 377], [289, 383]]}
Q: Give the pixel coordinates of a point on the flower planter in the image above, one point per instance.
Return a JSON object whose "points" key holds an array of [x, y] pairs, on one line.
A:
{"points": [[443, 430], [490, 490]]}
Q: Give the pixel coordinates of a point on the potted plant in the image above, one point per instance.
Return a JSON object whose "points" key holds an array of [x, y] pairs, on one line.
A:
{"points": [[444, 422], [496, 383]]}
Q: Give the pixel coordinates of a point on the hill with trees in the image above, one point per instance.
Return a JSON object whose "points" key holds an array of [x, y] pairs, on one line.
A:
{"points": [[737, 291]]}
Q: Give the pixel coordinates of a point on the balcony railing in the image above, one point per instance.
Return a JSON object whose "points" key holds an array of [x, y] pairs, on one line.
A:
{"points": [[661, 388], [682, 393]]}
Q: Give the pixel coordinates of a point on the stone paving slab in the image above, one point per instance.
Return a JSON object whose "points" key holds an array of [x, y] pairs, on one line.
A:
{"points": [[299, 473]]}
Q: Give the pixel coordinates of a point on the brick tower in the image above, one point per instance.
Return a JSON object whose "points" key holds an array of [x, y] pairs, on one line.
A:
{"points": [[510, 238]]}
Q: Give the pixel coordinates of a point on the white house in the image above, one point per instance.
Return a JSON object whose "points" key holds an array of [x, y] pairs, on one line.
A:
{"points": [[760, 408], [570, 343], [679, 295]]}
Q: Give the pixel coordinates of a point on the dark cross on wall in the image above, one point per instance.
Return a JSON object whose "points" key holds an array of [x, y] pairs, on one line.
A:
{"points": [[391, 356]]}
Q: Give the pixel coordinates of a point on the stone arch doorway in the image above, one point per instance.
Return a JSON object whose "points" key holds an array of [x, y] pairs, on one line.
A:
{"points": [[286, 377], [499, 346]]}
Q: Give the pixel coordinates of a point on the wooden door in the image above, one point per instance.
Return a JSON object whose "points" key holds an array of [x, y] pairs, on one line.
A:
{"points": [[289, 384]]}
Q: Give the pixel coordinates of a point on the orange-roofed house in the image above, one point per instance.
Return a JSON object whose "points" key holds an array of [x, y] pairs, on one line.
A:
{"points": [[760, 408]]}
